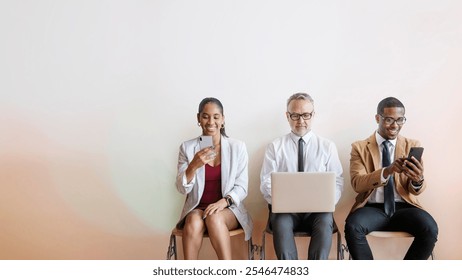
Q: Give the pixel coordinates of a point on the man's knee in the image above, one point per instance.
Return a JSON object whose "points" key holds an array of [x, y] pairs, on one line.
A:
{"points": [[431, 230], [352, 227], [281, 222], [426, 226], [325, 221]]}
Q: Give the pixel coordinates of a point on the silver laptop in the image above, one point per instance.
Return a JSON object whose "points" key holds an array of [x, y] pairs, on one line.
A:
{"points": [[302, 192]]}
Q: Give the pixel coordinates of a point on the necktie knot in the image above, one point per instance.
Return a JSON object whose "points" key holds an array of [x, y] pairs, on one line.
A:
{"points": [[386, 144], [386, 161]]}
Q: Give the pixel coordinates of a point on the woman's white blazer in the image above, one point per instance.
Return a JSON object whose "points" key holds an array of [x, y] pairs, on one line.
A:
{"points": [[234, 179]]}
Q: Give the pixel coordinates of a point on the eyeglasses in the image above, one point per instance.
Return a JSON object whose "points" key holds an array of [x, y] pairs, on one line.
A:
{"points": [[296, 117], [390, 121]]}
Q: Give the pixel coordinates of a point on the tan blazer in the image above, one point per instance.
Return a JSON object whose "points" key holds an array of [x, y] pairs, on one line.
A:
{"points": [[365, 170], [234, 179]]}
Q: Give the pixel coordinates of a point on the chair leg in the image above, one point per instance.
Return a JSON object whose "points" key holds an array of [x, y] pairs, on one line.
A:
{"points": [[339, 247], [250, 253], [345, 250], [171, 251], [262, 250], [253, 249]]}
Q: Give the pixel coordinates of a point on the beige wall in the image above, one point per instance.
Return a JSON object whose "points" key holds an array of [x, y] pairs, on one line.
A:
{"points": [[96, 96]]}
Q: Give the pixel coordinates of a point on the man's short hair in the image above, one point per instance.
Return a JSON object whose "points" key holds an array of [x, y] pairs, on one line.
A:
{"points": [[300, 96], [389, 102]]}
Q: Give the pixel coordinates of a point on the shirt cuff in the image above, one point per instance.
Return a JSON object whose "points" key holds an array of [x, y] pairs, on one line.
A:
{"points": [[185, 181], [383, 179]]}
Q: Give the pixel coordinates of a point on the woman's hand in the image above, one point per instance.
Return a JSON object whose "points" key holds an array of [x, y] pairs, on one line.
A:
{"points": [[216, 207], [200, 159], [203, 157]]}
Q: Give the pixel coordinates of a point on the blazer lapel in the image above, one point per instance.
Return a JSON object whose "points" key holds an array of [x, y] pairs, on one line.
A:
{"points": [[200, 175], [399, 152], [374, 151], [225, 160], [399, 148]]}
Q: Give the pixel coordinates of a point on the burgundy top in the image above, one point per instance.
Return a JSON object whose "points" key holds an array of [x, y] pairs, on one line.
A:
{"points": [[212, 187]]}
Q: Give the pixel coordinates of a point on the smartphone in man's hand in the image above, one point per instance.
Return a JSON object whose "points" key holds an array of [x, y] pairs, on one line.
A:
{"points": [[416, 152]]}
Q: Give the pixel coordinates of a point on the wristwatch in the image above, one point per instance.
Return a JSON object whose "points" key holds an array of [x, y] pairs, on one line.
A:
{"points": [[419, 183], [229, 200]]}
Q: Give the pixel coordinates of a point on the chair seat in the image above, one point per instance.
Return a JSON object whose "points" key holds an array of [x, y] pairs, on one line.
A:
{"points": [[392, 234], [172, 248], [386, 234], [179, 232]]}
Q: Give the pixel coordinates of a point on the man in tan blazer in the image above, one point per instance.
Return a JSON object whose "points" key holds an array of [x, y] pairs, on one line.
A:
{"points": [[379, 168]]}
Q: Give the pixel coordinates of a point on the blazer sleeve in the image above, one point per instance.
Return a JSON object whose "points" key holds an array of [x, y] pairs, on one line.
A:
{"points": [[363, 176], [406, 182], [269, 166], [335, 166], [182, 185]]}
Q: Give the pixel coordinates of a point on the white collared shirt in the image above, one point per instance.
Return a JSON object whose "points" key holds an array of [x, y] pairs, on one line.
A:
{"points": [[377, 195], [282, 156]]}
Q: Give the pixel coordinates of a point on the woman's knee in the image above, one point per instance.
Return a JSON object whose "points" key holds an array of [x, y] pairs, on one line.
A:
{"points": [[221, 221], [194, 224]]}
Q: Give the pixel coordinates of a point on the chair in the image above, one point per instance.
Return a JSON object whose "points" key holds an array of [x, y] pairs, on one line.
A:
{"points": [[340, 248], [393, 234], [390, 234], [172, 248]]}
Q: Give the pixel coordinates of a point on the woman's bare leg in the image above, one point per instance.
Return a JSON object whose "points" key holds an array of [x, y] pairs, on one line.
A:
{"points": [[193, 232], [218, 227]]}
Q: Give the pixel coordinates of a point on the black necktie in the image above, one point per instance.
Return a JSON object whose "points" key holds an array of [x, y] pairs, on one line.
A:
{"points": [[389, 196], [301, 143]]}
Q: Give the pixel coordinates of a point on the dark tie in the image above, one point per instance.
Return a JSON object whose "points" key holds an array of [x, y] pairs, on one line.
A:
{"points": [[389, 196], [301, 143]]}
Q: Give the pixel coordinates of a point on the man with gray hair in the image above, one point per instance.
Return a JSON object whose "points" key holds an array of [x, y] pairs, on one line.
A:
{"points": [[317, 154]]}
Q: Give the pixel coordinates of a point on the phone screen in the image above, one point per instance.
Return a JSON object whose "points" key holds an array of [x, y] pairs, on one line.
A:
{"points": [[205, 141], [416, 152]]}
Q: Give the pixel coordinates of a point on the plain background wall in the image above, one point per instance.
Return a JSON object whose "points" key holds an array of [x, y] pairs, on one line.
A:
{"points": [[96, 97]]}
